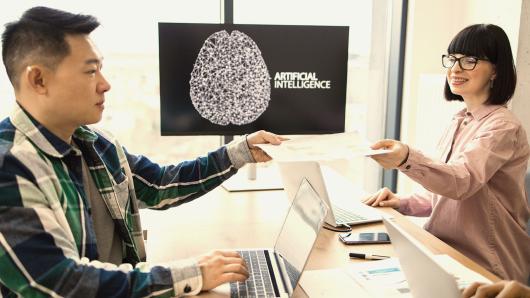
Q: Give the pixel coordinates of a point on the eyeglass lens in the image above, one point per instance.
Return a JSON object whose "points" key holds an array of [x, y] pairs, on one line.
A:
{"points": [[467, 63]]}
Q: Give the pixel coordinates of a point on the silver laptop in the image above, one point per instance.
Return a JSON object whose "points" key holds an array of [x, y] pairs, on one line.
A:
{"points": [[276, 272], [426, 278], [340, 214]]}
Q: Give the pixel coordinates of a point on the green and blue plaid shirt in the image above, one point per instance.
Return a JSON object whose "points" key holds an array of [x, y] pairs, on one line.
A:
{"points": [[47, 241]]}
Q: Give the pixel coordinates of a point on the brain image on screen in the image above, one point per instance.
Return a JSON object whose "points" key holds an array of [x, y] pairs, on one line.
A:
{"points": [[230, 83]]}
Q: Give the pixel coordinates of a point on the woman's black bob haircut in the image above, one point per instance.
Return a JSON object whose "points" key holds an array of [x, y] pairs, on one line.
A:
{"points": [[490, 42]]}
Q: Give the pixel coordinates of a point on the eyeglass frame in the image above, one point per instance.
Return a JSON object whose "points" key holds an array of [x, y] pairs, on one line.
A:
{"points": [[460, 63]]}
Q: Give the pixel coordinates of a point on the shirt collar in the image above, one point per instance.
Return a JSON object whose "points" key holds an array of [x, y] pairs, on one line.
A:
{"points": [[483, 111], [480, 112], [44, 139]]}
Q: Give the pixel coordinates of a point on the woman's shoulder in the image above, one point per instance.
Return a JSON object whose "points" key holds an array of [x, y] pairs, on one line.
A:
{"points": [[503, 115]]}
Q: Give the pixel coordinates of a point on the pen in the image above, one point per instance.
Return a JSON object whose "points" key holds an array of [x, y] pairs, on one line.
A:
{"points": [[367, 256]]}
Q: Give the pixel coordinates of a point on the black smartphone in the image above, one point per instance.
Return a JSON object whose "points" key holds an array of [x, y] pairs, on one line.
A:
{"points": [[364, 238]]}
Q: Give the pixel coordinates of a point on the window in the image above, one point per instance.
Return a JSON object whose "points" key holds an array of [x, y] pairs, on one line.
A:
{"points": [[129, 44], [369, 23]]}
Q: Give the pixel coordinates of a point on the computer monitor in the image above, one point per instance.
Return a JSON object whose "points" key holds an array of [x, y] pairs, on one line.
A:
{"points": [[226, 79]]}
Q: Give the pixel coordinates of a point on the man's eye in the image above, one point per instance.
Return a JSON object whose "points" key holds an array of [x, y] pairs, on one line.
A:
{"points": [[470, 60], [92, 71]]}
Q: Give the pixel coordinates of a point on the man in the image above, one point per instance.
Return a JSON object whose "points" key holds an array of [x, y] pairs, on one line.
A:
{"points": [[70, 194]]}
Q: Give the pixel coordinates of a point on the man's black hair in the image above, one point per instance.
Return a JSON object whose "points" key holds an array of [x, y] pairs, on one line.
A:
{"points": [[38, 37]]}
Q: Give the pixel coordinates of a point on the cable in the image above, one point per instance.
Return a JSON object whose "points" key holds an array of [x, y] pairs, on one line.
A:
{"points": [[340, 228]]}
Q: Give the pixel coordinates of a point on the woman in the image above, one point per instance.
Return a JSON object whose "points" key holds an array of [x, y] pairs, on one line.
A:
{"points": [[476, 198]]}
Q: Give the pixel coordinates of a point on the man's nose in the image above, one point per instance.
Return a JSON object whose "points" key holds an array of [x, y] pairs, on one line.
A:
{"points": [[103, 85]]}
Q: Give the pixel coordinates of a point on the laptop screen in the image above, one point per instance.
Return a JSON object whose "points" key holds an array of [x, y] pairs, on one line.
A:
{"points": [[299, 232]]}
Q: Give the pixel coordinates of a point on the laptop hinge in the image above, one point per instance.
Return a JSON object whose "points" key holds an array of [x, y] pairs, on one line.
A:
{"points": [[283, 273], [271, 273]]}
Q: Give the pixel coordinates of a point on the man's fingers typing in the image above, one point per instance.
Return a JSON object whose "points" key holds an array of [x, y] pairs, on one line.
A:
{"points": [[236, 268]]}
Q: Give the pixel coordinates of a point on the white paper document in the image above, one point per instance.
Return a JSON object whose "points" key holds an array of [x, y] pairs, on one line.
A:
{"points": [[321, 147], [382, 278], [362, 279]]}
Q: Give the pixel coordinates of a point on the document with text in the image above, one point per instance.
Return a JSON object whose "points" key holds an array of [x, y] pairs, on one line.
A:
{"points": [[321, 147]]}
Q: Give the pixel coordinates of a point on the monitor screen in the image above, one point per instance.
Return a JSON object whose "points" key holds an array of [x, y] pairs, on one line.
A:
{"points": [[225, 79]]}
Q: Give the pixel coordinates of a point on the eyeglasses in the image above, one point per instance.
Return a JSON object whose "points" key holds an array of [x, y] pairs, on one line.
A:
{"points": [[465, 62]]}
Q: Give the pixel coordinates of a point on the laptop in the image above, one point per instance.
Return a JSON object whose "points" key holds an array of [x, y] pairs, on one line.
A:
{"points": [[276, 272], [346, 212], [425, 276]]}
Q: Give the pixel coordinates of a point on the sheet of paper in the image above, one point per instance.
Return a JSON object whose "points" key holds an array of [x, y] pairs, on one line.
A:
{"points": [[321, 147], [330, 283], [382, 278], [363, 279]]}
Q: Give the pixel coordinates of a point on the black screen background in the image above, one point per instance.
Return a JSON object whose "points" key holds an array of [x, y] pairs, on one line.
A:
{"points": [[285, 48]]}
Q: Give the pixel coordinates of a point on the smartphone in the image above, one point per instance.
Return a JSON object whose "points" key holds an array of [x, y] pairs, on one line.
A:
{"points": [[364, 238]]}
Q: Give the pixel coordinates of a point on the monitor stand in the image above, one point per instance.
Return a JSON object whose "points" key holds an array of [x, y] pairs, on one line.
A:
{"points": [[254, 178]]}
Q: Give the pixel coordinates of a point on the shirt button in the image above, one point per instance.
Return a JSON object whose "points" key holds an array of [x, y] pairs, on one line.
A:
{"points": [[187, 289], [468, 113], [407, 167], [465, 122]]}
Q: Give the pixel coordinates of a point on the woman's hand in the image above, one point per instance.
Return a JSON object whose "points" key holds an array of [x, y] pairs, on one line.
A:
{"points": [[383, 198], [397, 156]]}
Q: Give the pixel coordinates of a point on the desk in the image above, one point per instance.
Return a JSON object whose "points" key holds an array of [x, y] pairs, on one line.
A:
{"points": [[222, 220]]}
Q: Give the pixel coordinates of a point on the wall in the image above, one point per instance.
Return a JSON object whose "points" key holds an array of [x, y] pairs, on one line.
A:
{"points": [[521, 100], [431, 26]]}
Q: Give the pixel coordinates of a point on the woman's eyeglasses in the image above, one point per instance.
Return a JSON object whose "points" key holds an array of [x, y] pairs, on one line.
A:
{"points": [[465, 62]]}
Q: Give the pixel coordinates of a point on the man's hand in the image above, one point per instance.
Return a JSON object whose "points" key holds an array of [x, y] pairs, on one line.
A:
{"points": [[220, 267], [262, 137], [393, 159]]}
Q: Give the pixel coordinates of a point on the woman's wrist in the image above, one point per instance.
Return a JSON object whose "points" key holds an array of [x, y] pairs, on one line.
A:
{"points": [[406, 157]]}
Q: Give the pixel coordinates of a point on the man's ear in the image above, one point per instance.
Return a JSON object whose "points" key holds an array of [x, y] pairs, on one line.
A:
{"points": [[36, 77]]}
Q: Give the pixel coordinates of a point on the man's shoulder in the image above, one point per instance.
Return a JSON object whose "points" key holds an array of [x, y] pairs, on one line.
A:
{"points": [[16, 153], [103, 136], [7, 136]]}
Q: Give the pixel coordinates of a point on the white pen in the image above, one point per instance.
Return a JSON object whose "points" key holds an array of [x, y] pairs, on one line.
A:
{"points": [[367, 256]]}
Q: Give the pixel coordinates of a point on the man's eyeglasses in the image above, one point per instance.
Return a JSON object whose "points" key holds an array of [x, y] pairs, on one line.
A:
{"points": [[465, 62]]}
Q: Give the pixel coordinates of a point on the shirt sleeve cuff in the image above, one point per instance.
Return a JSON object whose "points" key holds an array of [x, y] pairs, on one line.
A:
{"points": [[239, 152], [412, 160], [404, 207], [187, 277]]}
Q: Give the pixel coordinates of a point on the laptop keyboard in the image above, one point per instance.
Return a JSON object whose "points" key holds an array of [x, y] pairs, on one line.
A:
{"points": [[259, 283], [345, 216]]}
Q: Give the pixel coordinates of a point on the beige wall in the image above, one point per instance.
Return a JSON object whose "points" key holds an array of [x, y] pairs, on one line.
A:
{"points": [[431, 26], [521, 99]]}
